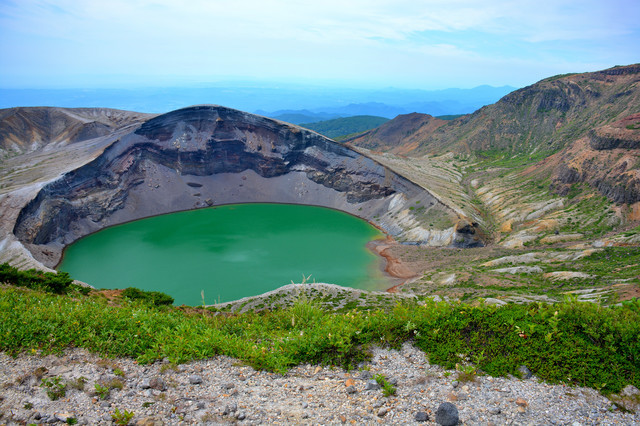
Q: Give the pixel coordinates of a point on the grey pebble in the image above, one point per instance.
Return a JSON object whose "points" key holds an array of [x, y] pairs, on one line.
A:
{"points": [[421, 416], [372, 385]]}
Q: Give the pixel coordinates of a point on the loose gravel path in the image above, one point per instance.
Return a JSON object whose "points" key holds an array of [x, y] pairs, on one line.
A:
{"points": [[222, 390]]}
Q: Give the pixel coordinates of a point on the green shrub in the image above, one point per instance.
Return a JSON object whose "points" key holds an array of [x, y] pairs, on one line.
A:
{"points": [[54, 387], [60, 283], [153, 297], [122, 417], [387, 388]]}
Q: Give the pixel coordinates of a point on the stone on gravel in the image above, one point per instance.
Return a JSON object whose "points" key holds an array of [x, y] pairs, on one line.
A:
{"points": [[383, 411], [365, 374], [421, 416], [351, 389], [195, 379], [447, 414], [628, 398], [372, 385]]}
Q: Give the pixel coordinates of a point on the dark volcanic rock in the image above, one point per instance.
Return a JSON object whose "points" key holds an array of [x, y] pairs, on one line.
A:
{"points": [[447, 414], [231, 157]]}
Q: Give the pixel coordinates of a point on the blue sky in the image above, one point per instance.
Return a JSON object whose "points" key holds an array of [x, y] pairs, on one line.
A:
{"points": [[431, 44]]}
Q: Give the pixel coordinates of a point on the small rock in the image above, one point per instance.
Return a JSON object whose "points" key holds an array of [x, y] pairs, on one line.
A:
{"points": [[155, 382], [351, 389], [454, 384], [305, 404], [228, 386], [350, 382], [421, 416], [382, 411], [372, 385], [62, 417], [447, 414], [241, 416], [148, 421], [317, 370], [495, 410], [522, 410], [343, 419], [465, 388], [195, 379], [522, 402], [232, 408], [629, 398], [525, 372]]}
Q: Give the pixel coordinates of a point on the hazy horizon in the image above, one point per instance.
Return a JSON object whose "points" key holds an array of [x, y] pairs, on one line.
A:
{"points": [[265, 100]]}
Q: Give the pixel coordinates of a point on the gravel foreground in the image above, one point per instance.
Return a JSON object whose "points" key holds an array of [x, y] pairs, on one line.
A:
{"points": [[222, 390]]}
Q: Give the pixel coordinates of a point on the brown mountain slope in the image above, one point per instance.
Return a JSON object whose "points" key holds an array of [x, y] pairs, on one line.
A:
{"points": [[24, 130], [608, 159], [541, 118], [401, 135]]}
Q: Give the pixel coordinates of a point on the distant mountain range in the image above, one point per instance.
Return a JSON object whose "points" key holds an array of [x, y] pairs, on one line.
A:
{"points": [[392, 103], [293, 104]]}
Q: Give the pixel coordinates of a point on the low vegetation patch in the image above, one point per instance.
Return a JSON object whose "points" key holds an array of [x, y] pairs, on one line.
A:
{"points": [[152, 297], [574, 343], [59, 283]]}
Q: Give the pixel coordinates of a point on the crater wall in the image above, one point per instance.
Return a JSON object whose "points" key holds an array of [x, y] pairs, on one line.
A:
{"points": [[210, 155]]}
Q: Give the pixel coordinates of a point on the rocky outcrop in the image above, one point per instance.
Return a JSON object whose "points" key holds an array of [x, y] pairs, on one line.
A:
{"points": [[622, 134], [211, 155], [608, 159], [23, 129]]}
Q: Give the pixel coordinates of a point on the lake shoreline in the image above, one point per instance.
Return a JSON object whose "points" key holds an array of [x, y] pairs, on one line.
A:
{"points": [[400, 272]]}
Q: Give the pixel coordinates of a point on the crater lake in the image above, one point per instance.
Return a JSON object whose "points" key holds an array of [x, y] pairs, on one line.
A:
{"points": [[229, 252]]}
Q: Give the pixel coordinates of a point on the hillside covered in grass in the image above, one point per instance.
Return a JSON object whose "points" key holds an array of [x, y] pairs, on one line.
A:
{"points": [[571, 342]]}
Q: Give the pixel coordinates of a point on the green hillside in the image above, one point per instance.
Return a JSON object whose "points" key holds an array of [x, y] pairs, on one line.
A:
{"points": [[338, 128]]}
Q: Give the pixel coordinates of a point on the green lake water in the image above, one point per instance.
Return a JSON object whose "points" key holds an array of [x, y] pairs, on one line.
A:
{"points": [[229, 251]]}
